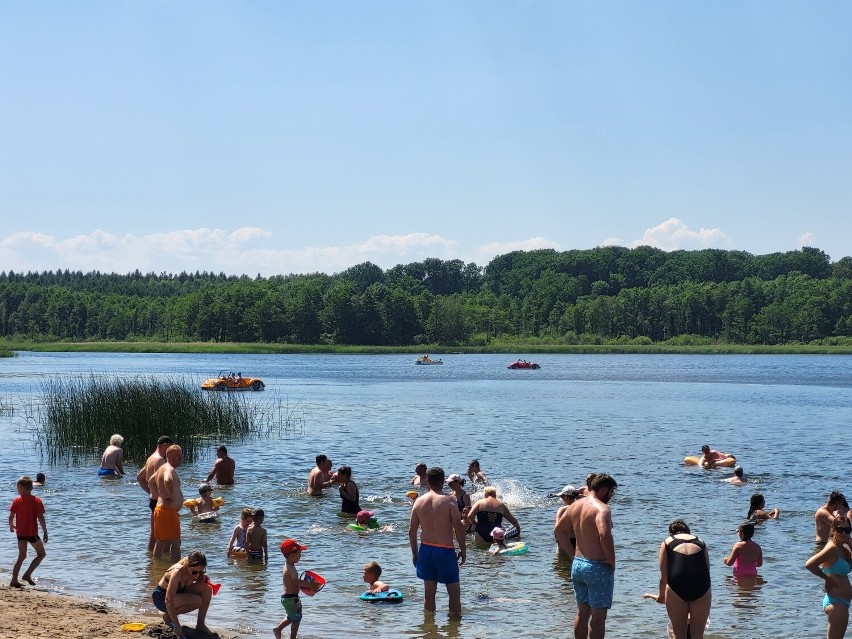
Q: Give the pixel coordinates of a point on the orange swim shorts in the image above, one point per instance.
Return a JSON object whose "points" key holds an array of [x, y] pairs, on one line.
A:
{"points": [[166, 524]]}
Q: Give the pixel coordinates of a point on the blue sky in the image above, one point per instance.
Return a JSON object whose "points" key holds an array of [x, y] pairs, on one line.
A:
{"points": [[278, 137]]}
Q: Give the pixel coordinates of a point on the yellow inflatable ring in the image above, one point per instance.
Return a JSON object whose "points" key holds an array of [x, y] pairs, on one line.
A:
{"points": [[133, 627], [218, 502], [727, 462]]}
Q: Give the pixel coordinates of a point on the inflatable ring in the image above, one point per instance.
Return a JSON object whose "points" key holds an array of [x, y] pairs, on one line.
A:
{"points": [[726, 462], [388, 596], [516, 548], [133, 627], [218, 502], [412, 494]]}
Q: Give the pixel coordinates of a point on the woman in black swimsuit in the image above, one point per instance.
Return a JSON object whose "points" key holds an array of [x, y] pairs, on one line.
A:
{"points": [[348, 491], [183, 588], [456, 484], [684, 581], [488, 513]]}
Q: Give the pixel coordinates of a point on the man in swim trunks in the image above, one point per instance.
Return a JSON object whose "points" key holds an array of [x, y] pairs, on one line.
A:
{"points": [[169, 502], [825, 514], [437, 517], [593, 570], [154, 461], [320, 476], [223, 468], [112, 457]]}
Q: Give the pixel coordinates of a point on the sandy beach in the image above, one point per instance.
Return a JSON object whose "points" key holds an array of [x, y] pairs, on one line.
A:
{"points": [[36, 614]]}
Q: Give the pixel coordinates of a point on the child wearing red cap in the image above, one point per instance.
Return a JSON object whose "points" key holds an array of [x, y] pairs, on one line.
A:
{"points": [[292, 551]]}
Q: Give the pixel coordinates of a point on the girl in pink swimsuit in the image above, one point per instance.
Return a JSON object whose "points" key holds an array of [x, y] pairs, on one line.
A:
{"points": [[746, 555]]}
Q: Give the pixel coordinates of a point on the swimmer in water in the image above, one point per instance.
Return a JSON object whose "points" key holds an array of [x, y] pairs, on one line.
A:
{"points": [[746, 555], [738, 478], [498, 536], [372, 572], [756, 509], [256, 546], [419, 478]]}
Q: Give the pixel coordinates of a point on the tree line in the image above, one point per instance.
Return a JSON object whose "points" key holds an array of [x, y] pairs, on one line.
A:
{"points": [[582, 296]]}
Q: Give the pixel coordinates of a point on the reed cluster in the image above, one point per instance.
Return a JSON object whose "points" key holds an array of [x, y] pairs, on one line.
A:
{"points": [[80, 413]]}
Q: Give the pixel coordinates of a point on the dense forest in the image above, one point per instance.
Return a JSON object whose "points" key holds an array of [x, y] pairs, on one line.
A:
{"points": [[608, 294]]}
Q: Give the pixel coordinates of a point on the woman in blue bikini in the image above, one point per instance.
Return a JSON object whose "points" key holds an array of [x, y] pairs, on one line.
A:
{"points": [[833, 564]]}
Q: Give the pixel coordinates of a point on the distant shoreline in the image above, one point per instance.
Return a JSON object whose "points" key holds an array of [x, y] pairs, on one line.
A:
{"points": [[8, 348]]}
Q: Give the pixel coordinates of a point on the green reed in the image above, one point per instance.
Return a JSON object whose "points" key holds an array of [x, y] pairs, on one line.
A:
{"points": [[80, 413]]}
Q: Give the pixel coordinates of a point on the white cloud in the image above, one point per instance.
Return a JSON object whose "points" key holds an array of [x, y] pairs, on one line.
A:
{"points": [[245, 250], [806, 239], [673, 235], [486, 252]]}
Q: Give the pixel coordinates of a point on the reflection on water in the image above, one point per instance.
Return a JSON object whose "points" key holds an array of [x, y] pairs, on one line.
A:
{"points": [[745, 591], [430, 629]]}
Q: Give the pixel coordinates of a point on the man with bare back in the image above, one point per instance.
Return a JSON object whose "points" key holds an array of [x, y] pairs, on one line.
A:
{"points": [[157, 459], [437, 517], [169, 502], [593, 569], [320, 477]]}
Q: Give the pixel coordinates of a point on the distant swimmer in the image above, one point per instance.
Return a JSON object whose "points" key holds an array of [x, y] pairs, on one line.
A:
{"points": [[738, 477], [825, 514], [320, 477], [223, 468], [710, 458], [419, 478], [756, 509], [475, 474]]}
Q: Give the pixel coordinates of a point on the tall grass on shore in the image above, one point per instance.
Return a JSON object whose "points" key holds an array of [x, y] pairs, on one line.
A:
{"points": [[80, 413]]}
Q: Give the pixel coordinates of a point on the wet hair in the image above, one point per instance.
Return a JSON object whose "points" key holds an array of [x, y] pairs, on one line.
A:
{"points": [[420, 467], [746, 530], [195, 558], [435, 477], [40, 478], [203, 488], [345, 470], [258, 512], [25, 483], [321, 459], [738, 471], [246, 513], [602, 480], [474, 462], [705, 448], [757, 502], [116, 440], [836, 497], [222, 449], [490, 491], [679, 527], [374, 569]]}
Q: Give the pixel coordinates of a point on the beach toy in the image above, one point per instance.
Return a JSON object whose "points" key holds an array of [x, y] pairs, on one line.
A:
{"points": [[313, 577], [133, 627], [213, 587], [412, 494], [388, 596], [516, 548], [218, 502], [728, 461], [208, 518]]}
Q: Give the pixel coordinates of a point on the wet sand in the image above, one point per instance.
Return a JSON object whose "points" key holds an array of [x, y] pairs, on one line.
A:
{"points": [[28, 613]]}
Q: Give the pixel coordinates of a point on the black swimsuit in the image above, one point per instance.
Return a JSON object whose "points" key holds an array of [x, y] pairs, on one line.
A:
{"points": [[486, 521], [348, 506], [689, 575]]}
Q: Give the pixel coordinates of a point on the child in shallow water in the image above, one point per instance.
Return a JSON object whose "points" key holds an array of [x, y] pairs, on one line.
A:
{"points": [[237, 543], [756, 511], [498, 536], [746, 555], [372, 572]]}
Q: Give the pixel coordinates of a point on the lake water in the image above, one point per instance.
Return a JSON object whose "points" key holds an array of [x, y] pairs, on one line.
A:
{"points": [[636, 417]]}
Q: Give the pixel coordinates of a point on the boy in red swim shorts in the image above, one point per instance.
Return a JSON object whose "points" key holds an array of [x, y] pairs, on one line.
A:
{"points": [[25, 513]]}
